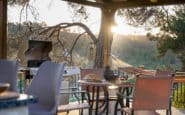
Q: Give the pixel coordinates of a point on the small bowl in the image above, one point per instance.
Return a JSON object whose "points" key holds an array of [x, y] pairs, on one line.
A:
{"points": [[4, 87]]}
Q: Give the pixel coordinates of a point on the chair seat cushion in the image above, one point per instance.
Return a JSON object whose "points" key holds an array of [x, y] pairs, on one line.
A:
{"points": [[73, 106]]}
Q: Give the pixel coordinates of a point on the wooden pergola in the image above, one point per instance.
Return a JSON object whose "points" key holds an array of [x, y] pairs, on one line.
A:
{"points": [[95, 3], [3, 29], [126, 3]]}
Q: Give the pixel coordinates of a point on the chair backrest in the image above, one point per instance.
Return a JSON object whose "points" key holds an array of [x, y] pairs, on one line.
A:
{"points": [[132, 70], [46, 84], [160, 73], [8, 73], [152, 93], [135, 70]]}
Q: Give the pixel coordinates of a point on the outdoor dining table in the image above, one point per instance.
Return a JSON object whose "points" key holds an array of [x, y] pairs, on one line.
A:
{"points": [[96, 89], [12, 103]]}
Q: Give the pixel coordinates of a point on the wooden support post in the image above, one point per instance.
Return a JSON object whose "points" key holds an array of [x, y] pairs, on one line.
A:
{"points": [[3, 29]]}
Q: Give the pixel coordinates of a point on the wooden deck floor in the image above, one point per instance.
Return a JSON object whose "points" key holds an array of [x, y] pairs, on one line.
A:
{"points": [[175, 111]]}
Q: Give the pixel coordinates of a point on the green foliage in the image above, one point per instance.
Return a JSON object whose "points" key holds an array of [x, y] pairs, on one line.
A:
{"points": [[172, 36], [176, 42], [141, 51]]}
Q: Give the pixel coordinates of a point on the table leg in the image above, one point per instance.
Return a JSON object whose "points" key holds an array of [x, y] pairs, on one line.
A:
{"points": [[107, 100], [129, 91], [119, 100], [89, 97], [97, 100], [127, 99]]}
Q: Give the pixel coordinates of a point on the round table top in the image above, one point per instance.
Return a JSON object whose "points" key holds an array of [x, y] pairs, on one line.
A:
{"points": [[19, 100], [106, 83]]}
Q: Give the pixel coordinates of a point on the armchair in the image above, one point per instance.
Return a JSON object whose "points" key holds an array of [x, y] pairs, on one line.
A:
{"points": [[150, 94]]}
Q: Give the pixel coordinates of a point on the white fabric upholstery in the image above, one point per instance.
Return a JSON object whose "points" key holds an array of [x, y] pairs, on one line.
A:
{"points": [[8, 73], [45, 85]]}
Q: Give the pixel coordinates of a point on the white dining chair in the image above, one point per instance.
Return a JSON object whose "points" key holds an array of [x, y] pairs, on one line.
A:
{"points": [[8, 73], [45, 85]]}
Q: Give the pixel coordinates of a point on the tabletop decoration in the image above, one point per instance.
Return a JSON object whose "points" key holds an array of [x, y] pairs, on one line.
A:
{"points": [[8, 95], [4, 87], [109, 75], [92, 78]]}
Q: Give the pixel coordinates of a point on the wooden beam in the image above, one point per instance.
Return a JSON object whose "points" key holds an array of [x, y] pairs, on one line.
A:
{"points": [[125, 3], [142, 3], [88, 3], [3, 27]]}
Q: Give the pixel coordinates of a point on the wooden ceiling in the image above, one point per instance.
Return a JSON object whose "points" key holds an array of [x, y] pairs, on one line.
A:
{"points": [[126, 3]]}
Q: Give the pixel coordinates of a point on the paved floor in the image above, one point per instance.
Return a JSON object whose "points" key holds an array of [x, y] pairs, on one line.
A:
{"points": [[175, 111]]}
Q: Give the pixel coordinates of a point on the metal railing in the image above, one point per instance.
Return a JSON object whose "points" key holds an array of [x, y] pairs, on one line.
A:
{"points": [[179, 90]]}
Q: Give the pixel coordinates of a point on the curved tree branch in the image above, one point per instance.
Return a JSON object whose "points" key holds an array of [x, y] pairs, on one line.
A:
{"points": [[66, 25], [71, 50], [58, 38], [77, 38]]}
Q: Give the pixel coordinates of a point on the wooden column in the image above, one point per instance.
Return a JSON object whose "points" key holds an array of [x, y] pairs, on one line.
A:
{"points": [[3, 29], [106, 24]]}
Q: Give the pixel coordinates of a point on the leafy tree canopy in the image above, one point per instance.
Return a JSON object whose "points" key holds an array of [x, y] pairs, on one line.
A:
{"points": [[172, 35]]}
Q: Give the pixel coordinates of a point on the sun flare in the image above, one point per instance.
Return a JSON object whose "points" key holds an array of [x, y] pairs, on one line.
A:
{"points": [[125, 29]]}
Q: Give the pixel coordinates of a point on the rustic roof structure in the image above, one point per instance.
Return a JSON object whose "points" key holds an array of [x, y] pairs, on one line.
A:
{"points": [[125, 3]]}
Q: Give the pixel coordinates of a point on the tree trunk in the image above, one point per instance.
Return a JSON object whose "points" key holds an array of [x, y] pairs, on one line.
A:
{"points": [[103, 46]]}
